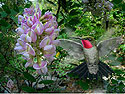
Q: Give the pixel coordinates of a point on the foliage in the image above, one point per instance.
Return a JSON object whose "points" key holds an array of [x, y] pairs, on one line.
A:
{"points": [[73, 21], [116, 84]]}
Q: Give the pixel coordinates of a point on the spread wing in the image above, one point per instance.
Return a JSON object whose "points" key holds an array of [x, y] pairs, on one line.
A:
{"points": [[73, 48], [105, 47]]}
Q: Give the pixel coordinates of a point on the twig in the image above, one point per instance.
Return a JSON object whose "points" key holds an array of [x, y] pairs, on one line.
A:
{"points": [[5, 88], [58, 9]]}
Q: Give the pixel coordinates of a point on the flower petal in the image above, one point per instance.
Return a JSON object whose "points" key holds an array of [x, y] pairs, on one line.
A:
{"points": [[28, 63], [20, 30], [36, 66], [33, 36], [30, 49], [45, 41]]}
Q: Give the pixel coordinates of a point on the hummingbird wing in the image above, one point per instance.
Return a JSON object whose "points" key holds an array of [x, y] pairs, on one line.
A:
{"points": [[106, 46], [73, 48]]}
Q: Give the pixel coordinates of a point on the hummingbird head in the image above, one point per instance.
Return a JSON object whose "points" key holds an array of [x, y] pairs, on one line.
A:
{"points": [[87, 41], [86, 44]]}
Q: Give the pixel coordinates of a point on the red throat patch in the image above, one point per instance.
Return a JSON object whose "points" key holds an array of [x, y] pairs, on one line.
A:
{"points": [[86, 44]]}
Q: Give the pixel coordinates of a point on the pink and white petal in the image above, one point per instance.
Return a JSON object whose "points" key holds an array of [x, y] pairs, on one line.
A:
{"points": [[20, 31], [44, 42], [30, 50], [33, 36], [30, 61], [43, 64], [36, 66], [28, 39], [55, 42], [48, 47], [20, 19], [50, 59], [27, 64], [25, 54], [19, 48], [49, 30]]}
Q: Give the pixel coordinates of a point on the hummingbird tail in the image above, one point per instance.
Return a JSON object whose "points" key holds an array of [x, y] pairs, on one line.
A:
{"points": [[83, 72], [104, 69]]}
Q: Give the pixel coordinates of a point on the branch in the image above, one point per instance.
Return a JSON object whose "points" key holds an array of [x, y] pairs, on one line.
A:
{"points": [[59, 5], [5, 88]]}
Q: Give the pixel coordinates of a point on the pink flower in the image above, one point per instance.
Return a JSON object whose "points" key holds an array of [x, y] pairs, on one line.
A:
{"points": [[30, 50], [49, 30], [33, 35], [29, 23], [49, 52], [10, 84], [38, 28], [47, 16], [25, 38], [45, 41], [37, 37], [20, 19], [41, 66], [29, 11], [20, 30], [30, 61], [19, 48]]}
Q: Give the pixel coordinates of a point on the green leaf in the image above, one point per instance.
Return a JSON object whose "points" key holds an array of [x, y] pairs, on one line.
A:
{"points": [[84, 85], [121, 78], [28, 89], [46, 82], [111, 57], [121, 86], [29, 77], [3, 14], [28, 5], [119, 71], [117, 1], [6, 9], [13, 12], [115, 63], [4, 23], [16, 8], [15, 19], [120, 59], [114, 81]]}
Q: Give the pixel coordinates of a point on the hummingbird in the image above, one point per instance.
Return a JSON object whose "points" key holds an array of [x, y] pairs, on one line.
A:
{"points": [[93, 67]]}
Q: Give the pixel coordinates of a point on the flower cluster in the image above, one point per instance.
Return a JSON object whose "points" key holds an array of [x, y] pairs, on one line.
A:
{"points": [[97, 7], [37, 41]]}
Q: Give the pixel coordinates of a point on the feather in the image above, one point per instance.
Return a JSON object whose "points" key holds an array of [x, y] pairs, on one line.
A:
{"points": [[105, 47], [73, 48], [81, 66]]}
